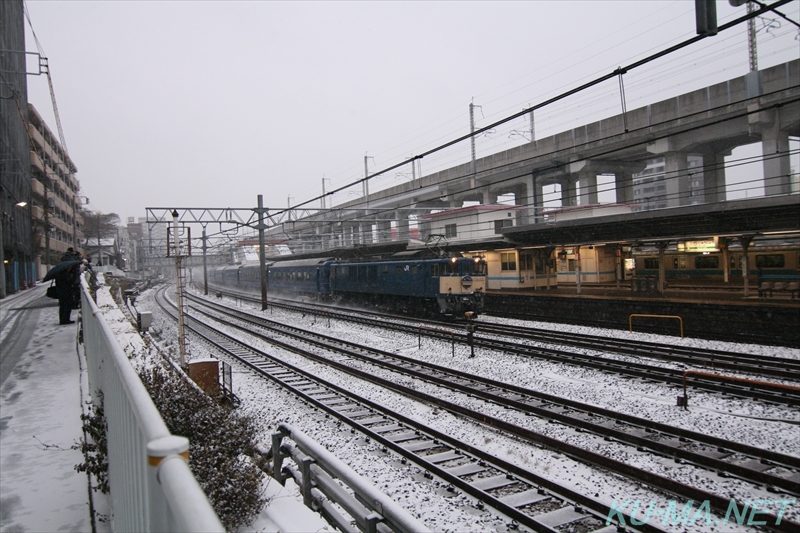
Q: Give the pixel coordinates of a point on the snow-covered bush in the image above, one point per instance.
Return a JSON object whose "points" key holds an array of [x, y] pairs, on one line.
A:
{"points": [[221, 441]]}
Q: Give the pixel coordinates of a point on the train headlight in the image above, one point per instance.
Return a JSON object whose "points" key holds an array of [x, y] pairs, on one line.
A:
{"points": [[453, 259]]}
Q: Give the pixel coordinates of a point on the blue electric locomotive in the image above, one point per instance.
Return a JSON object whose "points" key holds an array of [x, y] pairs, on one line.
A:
{"points": [[449, 286]]}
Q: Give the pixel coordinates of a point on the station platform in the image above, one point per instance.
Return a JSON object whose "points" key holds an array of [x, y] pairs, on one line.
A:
{"points": [[708, 312], [42, 383], [709, 292]]}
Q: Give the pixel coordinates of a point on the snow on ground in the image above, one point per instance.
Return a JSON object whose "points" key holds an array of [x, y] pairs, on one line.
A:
{"points": [[746, 421]]}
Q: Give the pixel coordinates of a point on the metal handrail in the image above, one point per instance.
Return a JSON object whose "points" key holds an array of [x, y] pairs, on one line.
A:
{"points": [[630, 320], [151, 485], [317, 469]]}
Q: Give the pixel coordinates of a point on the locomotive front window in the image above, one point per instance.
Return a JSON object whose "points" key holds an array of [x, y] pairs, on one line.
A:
{"points": [[479, 269], [450, 269]]}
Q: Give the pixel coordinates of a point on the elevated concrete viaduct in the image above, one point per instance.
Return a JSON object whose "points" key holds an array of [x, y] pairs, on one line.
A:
{"points": [[705, 124]]}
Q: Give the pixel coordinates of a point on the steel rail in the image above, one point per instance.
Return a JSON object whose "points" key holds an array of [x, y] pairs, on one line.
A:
{"points": [[634, 432], [643, 371], [428, 448], [716, 502]]}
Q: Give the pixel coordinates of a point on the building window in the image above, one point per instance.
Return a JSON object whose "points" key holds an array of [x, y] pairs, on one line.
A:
{"points": [[450, 230], [508, 261], [500, 224]]}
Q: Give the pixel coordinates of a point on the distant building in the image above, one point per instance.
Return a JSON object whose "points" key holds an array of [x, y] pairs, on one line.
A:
{"points": [[653, 189], [472, 223], [56, 211]]}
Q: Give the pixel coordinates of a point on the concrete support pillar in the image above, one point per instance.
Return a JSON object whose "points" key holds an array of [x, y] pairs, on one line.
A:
{"points": [[588, 187], [384, 230], [365, 228], [714, 176], [569, 192], [402, 225], [623, 186], [775, 148], [489, 198], [677, 182]]}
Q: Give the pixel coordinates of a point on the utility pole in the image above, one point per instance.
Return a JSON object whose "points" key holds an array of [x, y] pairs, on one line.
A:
{"points": [[261, 253], [472, 138], [322, 200], [46, 227], [533, 127], [205, 262], [365, 189], [179, 287], [752, 43]]}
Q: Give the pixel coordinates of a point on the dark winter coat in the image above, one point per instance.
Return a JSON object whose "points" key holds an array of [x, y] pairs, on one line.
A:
{"points": [[68, 285]]}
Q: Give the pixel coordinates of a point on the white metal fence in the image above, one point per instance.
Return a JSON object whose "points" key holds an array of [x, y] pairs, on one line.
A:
{"points": [[152, 487]]}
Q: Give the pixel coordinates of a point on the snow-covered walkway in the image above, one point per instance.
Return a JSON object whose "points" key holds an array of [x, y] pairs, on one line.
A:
{"points": [[40, 410]]}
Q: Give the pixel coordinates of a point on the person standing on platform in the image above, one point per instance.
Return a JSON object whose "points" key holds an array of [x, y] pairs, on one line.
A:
{"points": [[68, 288], [71, 255]]}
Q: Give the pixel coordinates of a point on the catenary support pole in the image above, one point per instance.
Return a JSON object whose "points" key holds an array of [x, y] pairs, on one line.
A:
{"points": [[261, 257]]}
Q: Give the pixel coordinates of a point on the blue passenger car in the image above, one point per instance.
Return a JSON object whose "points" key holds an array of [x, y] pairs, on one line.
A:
{"points": [[308, 277]]}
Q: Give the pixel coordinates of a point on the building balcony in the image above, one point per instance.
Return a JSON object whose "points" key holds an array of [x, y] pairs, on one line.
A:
{"points": [[36, 136], [37, 187], [36, 162], [37, 212]]}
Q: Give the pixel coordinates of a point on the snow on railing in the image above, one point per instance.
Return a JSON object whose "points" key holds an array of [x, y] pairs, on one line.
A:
{"points": [[317, 473], [152, 487]]}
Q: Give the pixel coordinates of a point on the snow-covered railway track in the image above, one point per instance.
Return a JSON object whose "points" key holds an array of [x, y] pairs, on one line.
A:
{"points": [[775, 470], [606, 354], [779, 472], [530, 500]]}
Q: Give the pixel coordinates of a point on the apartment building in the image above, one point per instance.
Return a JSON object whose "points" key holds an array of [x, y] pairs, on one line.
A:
{"points": [[56, 205]]}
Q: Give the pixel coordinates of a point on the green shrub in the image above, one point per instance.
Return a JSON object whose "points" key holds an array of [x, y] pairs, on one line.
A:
{"points": [[221, 440]]}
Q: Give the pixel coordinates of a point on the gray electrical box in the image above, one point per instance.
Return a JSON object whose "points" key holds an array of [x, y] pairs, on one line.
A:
{"points": [[143, 320]]}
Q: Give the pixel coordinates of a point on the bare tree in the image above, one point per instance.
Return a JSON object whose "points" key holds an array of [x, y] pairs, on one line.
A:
{"points": [[97, 226]]}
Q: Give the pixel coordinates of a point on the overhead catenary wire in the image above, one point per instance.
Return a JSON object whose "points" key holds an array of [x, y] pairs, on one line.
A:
{"points": [[587, 85]]}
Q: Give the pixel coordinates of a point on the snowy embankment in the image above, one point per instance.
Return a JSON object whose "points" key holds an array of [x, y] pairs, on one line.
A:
{"points": [[741, 420]]}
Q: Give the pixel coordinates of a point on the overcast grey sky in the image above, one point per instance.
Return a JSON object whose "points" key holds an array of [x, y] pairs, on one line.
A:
{"points": [[208, 104]]}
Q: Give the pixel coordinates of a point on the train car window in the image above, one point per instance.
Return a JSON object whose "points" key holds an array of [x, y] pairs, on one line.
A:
{"points": [[434, 271], [508, 261], [398, 269], [540, 266], [526, 261], [651, 263], [385, 269], [413, 270], [706, 261], [770, 261]]}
